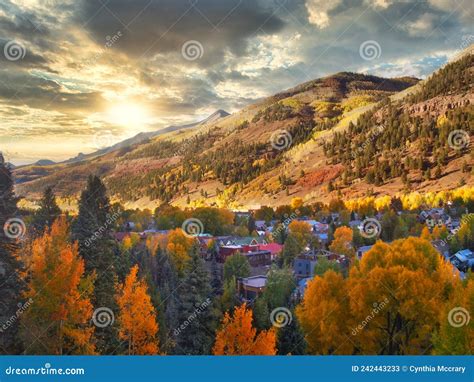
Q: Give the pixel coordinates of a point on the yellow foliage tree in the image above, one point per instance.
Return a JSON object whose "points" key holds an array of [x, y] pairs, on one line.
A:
{"points": [[390, 303], [137, 317], [179, 247], [342, 243]]}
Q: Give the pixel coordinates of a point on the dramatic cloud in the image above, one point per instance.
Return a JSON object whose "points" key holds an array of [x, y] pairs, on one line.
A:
{"points": [[74, 69]]}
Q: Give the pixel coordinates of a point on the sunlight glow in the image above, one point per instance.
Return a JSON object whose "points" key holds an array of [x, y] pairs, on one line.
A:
{"points": [[127, 115]]}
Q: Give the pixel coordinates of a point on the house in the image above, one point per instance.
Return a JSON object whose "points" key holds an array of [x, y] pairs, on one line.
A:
{"points": [[301, 288], [249, 288], [303, 265], [274, 248], [258, 258], [362, 250], [463, 260]]}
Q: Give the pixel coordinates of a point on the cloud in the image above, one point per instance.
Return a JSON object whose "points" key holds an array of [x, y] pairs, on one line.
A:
{"points": [[152, 28], [319, 10]]}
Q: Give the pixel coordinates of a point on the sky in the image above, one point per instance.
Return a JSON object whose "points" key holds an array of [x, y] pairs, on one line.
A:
{"points": [[79, 75]]}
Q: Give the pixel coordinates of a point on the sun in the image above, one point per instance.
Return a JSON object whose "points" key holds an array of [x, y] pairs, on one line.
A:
{"points": [[127, 115]]}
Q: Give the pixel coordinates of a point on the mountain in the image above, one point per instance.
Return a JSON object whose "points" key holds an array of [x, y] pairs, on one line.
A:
{"points": [[144, 137], [346, 135]]}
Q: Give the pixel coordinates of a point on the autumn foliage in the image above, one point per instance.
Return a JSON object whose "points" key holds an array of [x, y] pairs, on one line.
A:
{"points": [[137, 317], [391, 303], [237, 336], [58, 320]]}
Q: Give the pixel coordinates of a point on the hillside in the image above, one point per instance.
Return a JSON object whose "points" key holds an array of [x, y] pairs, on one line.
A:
{"points": [[343, 135]]}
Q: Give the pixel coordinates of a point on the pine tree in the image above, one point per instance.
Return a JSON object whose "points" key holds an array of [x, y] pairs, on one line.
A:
{"points": [[92, 230], [290, 338], [216, 277], [10, 266], [166, 280], [48, 212], [194, 333]]}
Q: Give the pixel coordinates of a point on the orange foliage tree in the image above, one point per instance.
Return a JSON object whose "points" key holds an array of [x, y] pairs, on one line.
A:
{"points": [[57, 321], [237, 336], [137, 317]]}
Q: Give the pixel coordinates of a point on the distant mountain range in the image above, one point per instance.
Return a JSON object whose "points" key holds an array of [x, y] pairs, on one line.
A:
{"points": [[139, 138], [346, 135]]}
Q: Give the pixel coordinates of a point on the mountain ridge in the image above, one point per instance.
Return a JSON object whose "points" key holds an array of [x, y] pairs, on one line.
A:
{"points": [[232, 161]]}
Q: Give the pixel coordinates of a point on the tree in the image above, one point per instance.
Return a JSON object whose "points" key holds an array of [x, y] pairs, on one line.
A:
{"points": [[10, 265], [48, 212], [324, 313], [414, 281], [456, 332], [342, 243], [236, 266], [279, 287], [137, 316], [301, 231], [323, 265], [92, 230], [179, 247], [237, 336], [290, 338], [291, 249], [58, 319], [216, 277], [195, 312], [296, 203], [166, 279]]}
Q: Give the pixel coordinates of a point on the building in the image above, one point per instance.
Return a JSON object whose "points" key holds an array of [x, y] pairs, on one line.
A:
{"points": [[303, 265], [362, 250], [258, 258], [249, 288], [274, 248], [464, 260]]}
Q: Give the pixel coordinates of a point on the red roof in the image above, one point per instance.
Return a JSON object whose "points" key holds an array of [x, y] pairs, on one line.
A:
{"points": [[274, 248]]}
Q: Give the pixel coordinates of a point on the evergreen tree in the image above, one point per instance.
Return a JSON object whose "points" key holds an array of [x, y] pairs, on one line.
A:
{"points": [[92, 230], [10, 267], [290, 339], [166, 280], [195, 332], [48, 212], [216, 277]]}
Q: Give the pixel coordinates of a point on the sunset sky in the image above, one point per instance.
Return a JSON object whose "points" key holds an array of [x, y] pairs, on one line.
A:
{"points": [[76, 75]]}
